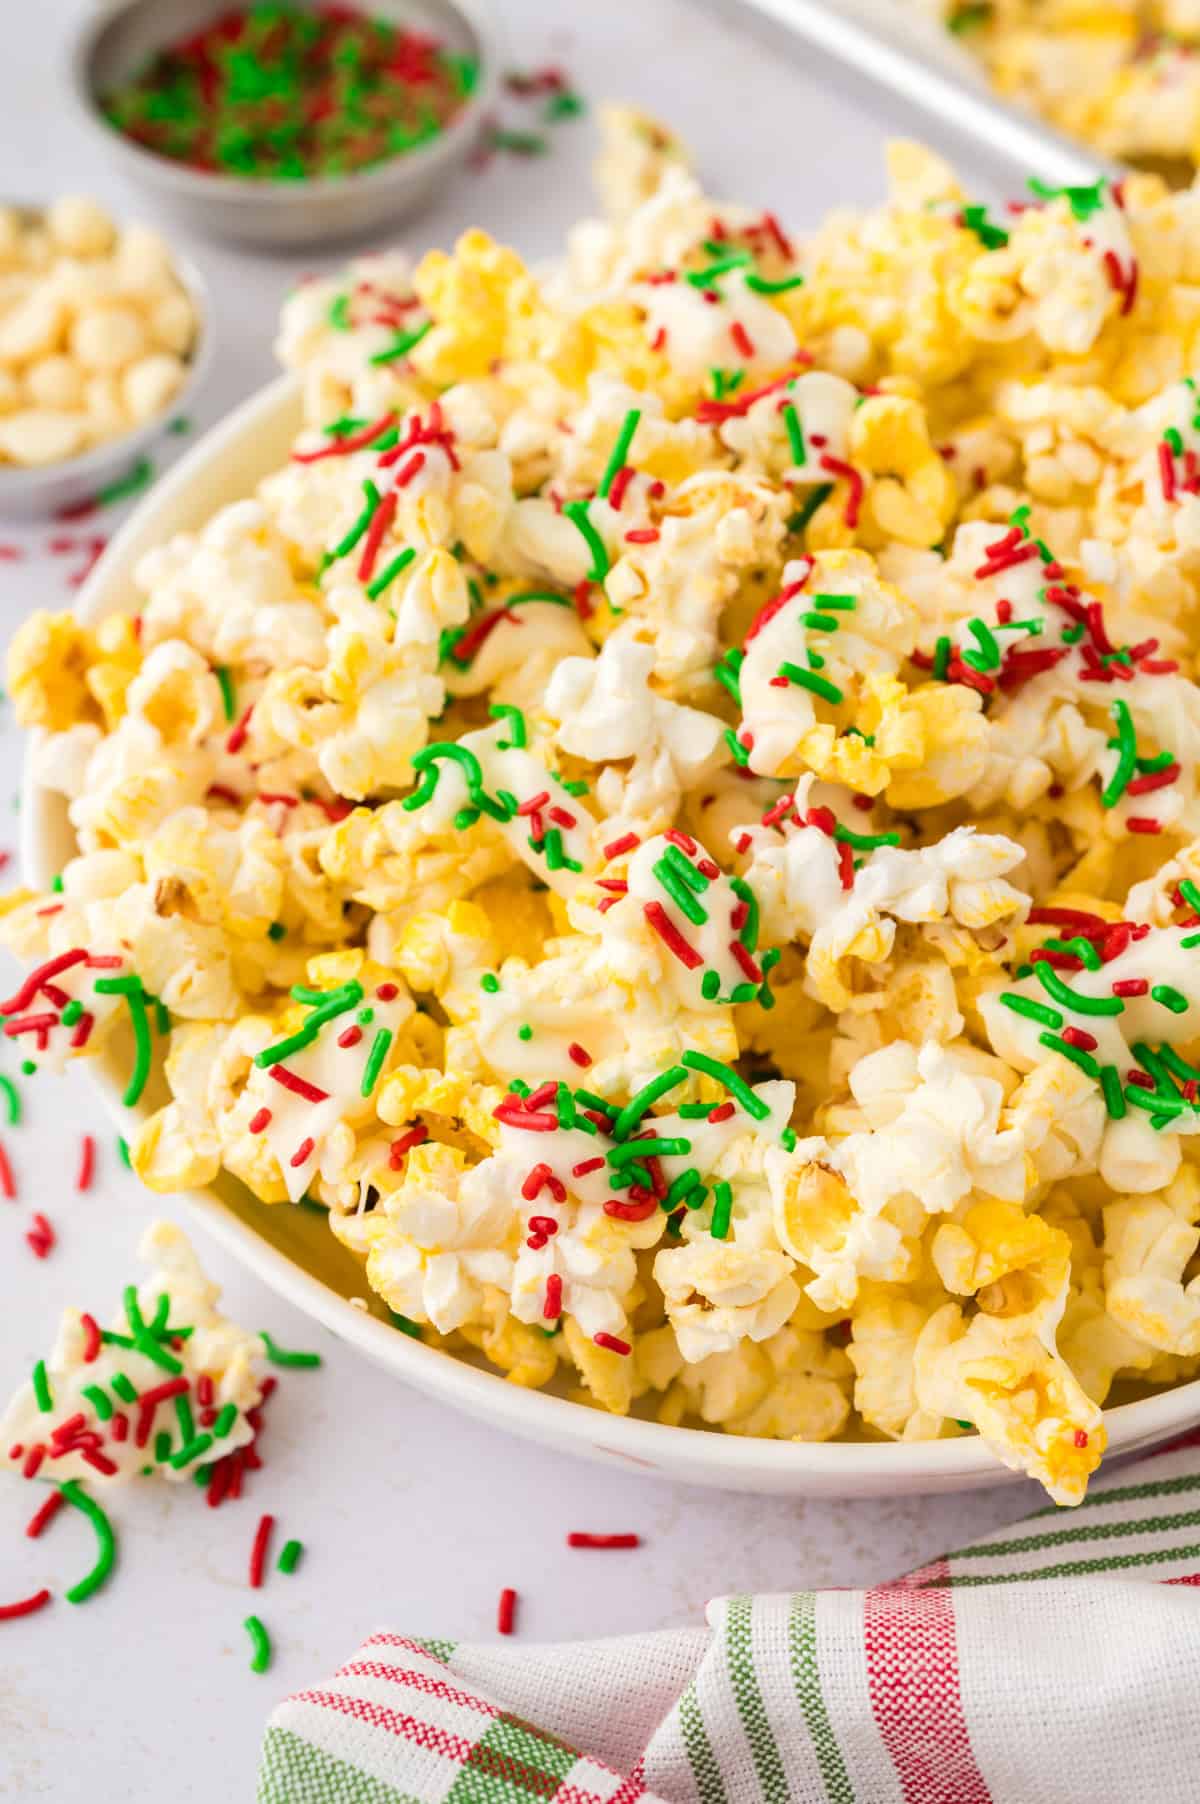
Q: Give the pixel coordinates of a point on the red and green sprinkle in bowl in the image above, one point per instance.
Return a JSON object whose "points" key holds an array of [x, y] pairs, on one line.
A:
{"points": [[281, 123], [278, 92]]}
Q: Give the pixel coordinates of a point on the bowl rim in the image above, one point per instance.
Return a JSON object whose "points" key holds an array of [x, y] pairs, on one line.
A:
{"points": [[125, 447], [199, 184], [703, 1456]]}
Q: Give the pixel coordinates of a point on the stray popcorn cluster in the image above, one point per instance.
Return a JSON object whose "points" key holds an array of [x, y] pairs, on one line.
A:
{"points": [[673, 818]]}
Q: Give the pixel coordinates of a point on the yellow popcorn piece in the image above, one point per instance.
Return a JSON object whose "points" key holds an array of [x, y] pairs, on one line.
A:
{"points": [[49, 661]]}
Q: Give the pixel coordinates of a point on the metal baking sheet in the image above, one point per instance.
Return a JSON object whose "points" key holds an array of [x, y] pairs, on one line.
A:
{"points": [[897, 46]]}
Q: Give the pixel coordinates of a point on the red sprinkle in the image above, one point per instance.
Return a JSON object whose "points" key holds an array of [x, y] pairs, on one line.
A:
{"points": [[258, 1553], [91, 1338], [260, 1121], [1157, 779], [1131, 986], [302, 1153], [1081, 1439], [628, 842], [552, 1307], [618, 486], [355, 441], [578, 1539], [27, 1605], [1143, 823], [1076, 1036], [381, 519], [413, 467], [741, 338], [670, 935], [399, 1149], [37, 977], [585, 1165], [640, 1210], [578, 1056], [542, 1178], [684, 841], [237, 738], [87, 1164], [7, 1186], [41, 1238], [845, 865], [350, 1036], [642, 535], [611, 1344], [506, 1611], [298, 1086], [48, 1511]]}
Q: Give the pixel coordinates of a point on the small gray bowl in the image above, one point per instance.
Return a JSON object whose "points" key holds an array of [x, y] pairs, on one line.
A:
{"points": [[113, 44], [39, 491]]}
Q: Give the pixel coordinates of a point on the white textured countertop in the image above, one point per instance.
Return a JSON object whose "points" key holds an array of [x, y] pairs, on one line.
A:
{"points": [[409, 1517]]}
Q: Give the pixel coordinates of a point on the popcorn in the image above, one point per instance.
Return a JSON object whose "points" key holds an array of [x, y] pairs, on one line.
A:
{"points": [[673, 817]]}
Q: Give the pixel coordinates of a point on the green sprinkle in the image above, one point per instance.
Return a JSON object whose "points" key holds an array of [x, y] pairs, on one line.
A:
{"points": [[489, 982], [225, 1420], [1114, 1096], [406, 1325], [375, 1058], [740, 755], [710, 986], [1036, 1011], [276, 931], [1062, 993], [969, 18], [619, 452], [12, 1102], [722, 1210], [1174, 440], [124, 1387], [726, 673], [728, 1077], [807, 679], [988, 655], [56, 884], [795, 432], [1114, 789], [682, 1187], [283, 1356], [72, 1012], [636, 1107], [816, 498], [577, 513], [1188, 890], [975, 219], [407, 341], [743, 892], [228, 698], [565, 1106], [1170, 998], [679, 893], [106, 1542], [260, 1644], [671, 1146], [339, 313], [788, 1140], [41, 1388], [704, 278], [760, 284], [1079, 948], [941, 658], [162, 1445], [820, 623], [516, 725], [1086, 1063], [139, 478], [288, 1557], [390, 573], [123, 1152], [864, 842], [1193, 939]]}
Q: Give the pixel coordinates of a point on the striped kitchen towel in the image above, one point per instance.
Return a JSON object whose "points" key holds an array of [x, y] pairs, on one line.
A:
{"points": [[1056, 1663]]}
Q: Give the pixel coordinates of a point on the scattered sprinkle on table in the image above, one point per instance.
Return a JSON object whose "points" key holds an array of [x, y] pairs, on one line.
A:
{"points": [[506, 1611], [258, 1553], [260, 1642], [578, 1538], [292, 1550], [283, 93]]}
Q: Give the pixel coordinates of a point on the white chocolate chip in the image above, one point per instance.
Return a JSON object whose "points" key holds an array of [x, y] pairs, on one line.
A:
{"points": [[148, 385], [81, 227], [107, 338], [32, 329], [36, 436], [173, 322], [55, 382], [105, 409]]}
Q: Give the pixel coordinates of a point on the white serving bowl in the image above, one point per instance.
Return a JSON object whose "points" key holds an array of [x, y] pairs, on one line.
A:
{"points": [[292, 1250]]}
